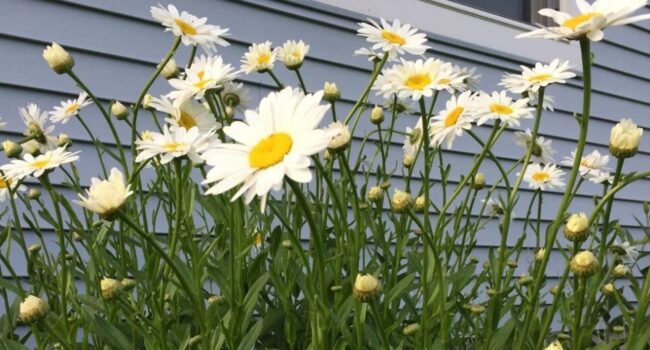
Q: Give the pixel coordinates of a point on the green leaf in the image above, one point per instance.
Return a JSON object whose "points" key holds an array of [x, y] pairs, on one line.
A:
{"points": [[111, 335], [399, 287], [251, 336]]}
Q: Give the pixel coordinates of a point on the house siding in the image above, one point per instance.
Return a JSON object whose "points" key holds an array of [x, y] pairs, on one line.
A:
{"points": [[116, 46]]}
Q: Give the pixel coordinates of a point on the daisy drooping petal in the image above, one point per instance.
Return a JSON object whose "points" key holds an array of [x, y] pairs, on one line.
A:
{"points": [[542, 75], [37, 166], [542, 149], [207, 72]]}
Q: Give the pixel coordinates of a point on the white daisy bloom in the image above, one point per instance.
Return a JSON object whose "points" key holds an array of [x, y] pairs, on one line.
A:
{"points": [[393, 38], [188, 115], [7, 184], [416, 79], [235, 95], [191, 29], [207, 72], [271, 143], [591, 20], [626, 251], [37, 166], [37, 127], [547, 104], [500, 106], [451, 121], [105, 197], [292, 53], [542, 75], [175, 142], [413, 139], [538, 177], [542, 150], [259, 58], [69, 108], [593, 166]]}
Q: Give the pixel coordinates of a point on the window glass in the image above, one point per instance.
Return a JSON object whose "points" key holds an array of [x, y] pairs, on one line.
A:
{"points": [[514, 9]]}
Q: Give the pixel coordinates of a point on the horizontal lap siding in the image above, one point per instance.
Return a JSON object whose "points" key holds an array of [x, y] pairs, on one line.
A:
{"points": [[116, 46]]}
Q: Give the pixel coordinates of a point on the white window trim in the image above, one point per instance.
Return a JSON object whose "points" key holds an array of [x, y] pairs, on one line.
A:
{"points": [[467, 24]]}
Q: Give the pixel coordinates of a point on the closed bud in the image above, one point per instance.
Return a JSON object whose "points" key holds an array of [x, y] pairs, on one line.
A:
{"points": [[479, 181], [555, 290], [477, 309], [556, 345], [525, 280], [146, 101], [36, 133], [624, 139], [58, 58], [411, 329], [128, 284], [401, 201], [119, 110], [64, 140], [377, 115], [576, 227], [539, 256], [216, 299], [77, 237], [31, 147], [33, 194], [609, 289], [286, 244], [34, 249], [110, 288], [375, 194], [512, 264], [340, 136], [327, 155], [473, 260], [170, 70], [584, 264], [408, 161], [331, 92], [33, 309], [620, 271], [491, 292], [11, 149], [419, 204], [384, 185], [366, 287]]}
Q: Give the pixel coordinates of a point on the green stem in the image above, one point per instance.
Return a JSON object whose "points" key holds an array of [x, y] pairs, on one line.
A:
{"points": [[302, 82], [366, 91], [275, 79]]}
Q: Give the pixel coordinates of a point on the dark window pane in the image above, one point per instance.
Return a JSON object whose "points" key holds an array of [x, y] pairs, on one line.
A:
{"points": [[514, 9]]}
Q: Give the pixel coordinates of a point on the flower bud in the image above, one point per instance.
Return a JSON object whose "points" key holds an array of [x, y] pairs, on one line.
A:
{"points": [[419, 204], [473, 260], [327, 155], [584, 264], [34, 249], [77, 237], [258, 239], [33, 194], [36, 132], [110, 288], [366, 287], [64, 140], [119, 110], [340, 136], [128, 284], [525, 280], [408, 161], [331, 92], [609, 289], [230, 112], [618, 329], [491, 292], [512, 264], [620, 271], [11, 149], [216, 299], [401, 201], [624, 139], [576, 227], [170, 70], [410, 329], [477, 309], [33, 309], [58, 58], [556, 345], [377, 115], [555, 290], [286, 244], [539, 256], [478, 182], [31, 147], [375, 194], [146, 101]]}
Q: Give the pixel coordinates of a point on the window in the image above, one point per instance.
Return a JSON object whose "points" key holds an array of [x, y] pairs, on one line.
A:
{"points": [[519, 10]]}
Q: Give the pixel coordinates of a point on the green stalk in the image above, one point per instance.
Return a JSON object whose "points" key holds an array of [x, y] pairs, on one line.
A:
{"points": [[302, 82], [275, 79], [366, 91]]}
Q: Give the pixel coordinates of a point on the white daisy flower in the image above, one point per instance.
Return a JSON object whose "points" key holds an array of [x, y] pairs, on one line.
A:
{"points": [[593, 166], [542, 150], [271, 143], [500, 106], [8, 184], [175, 142], [191, 29], [207, 72], [413, 139], [626, 252], [591, 20], [235, 95], [259, 58], [547, 104], [542, 75], [37, 166], [393, 38], [105, 197], [188, 115], [69, 108], [450, 122], [538, 177], [416, 79], [38, 128], [292, 53]]}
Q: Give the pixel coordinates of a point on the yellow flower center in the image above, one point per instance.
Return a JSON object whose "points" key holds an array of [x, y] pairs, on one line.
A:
{"points": [[186, 28], [186, 121], [263, 59], [541, 176], [392, 37], [452, 117], [202, 83], [539, 77], [4, 182], [500, 109], [585, 163], [258, 239], [296, 54], [72, 108], [418, 81], [174, 146], [445, 81], [270, 150], [575, 21], [41, 164]]}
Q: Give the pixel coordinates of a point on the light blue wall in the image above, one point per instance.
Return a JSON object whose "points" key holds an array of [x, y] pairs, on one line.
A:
{"points": [[116, 45]]}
